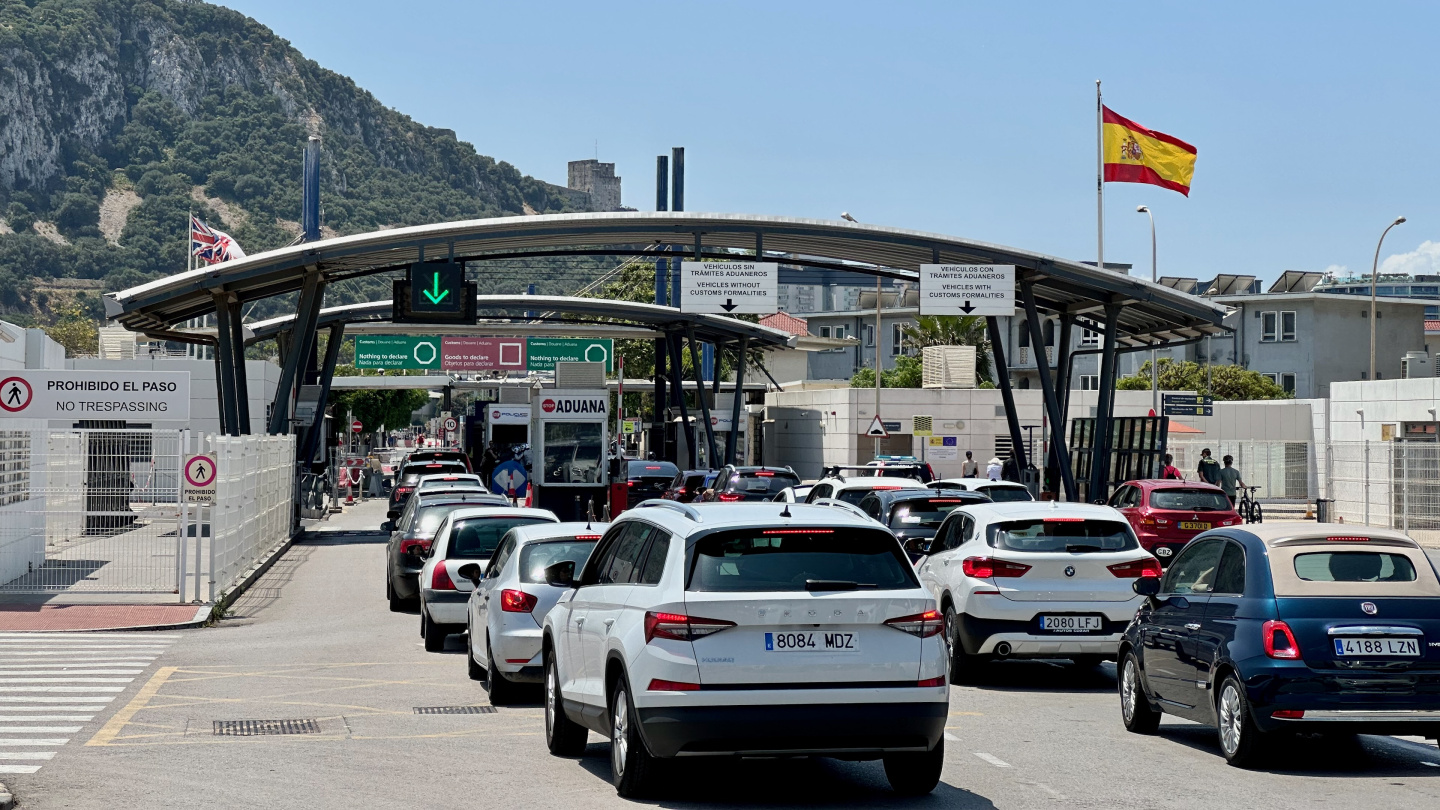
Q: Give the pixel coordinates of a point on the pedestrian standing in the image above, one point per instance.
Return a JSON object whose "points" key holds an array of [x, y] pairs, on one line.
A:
{"points": [[1170, 471], [1209, 469], [994, 470], [1229, 477], [969, 468], [488, 460]]}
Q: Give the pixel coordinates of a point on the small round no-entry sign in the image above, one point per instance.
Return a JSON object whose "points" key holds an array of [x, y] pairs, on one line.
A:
{"points": [[357, 426]]}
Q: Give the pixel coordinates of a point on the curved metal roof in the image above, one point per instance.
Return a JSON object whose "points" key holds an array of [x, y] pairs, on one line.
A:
{"points": [[563, 311], [1151, 314]]}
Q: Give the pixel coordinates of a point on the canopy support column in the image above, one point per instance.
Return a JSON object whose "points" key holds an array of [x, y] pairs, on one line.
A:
{"points": [[242, 384], [1047, 391], [677, 380], [307, 312], [1002, 371], [732, 441], [1063, 376], [327, 374], [225, 357], [1104, 413], [704, 398]]}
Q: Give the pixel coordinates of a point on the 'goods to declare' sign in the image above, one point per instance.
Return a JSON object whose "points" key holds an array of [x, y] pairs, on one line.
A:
{"points": [[730, 288], [163, 395], [479, 354], [967, 289]]}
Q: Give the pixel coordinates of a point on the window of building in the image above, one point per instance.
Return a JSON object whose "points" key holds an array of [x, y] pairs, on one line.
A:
{"points": [[1089, 338], [1287, 382], [1049, 332], [825, 331], [1287, 326], [1271, 376], [869, 332], [1269, 322], [1089, 382], [897, 338], [1024, 335]]}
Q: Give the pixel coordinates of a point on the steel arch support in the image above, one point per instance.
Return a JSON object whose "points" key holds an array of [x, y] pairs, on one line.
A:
{"points": [[242, 384], [732, 442], [327, 374], [307, 312], [225, 357], [701, 393], [1105, 412], [1002, 372], [1048, 392], [677, 381]]}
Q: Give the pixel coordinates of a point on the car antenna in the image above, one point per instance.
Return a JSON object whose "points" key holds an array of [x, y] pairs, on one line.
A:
{"points": [[786, 511]]}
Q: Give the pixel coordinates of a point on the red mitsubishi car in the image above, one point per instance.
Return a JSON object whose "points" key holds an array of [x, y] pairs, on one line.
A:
{"points": [[1167, 513]]}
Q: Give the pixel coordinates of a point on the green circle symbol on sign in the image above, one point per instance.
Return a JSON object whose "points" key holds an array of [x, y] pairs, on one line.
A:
{"points": [[596, 347], [425, 345]]}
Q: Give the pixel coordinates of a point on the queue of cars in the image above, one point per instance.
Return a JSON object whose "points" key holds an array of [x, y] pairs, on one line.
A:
{"points": [[831, 623]]}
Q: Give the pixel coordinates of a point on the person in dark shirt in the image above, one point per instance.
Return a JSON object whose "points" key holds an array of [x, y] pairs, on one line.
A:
{"points": [[1209, 469]]}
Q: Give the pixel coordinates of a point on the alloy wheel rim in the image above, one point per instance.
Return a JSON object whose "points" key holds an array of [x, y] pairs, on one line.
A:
{"points": [[1127, 690], [950, 632], [549, 700], [619, 752], [1230, 719]]}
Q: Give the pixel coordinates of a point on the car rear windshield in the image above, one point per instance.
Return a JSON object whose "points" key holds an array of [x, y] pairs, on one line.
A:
{"points": [[1075, 535], [922, 513], [1354, 566], [476, 538], [1003, 494], [430, 517], [920, 472], [652, 469], [536, 557], [786, 559], [1190, 500], [411, 474], [761, 482]]}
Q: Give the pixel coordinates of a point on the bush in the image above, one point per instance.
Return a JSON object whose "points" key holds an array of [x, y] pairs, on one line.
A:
{"points": [[77, 211]]}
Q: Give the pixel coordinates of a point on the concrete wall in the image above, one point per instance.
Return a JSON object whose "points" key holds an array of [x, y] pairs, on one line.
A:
{"points": [[1384, 402], [262, 378], [28, 348]]}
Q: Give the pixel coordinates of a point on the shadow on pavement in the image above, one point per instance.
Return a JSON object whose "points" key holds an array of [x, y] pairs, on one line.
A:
{"points": [[1057, 675], [1343, 755], [802, 782], [348, 537]]}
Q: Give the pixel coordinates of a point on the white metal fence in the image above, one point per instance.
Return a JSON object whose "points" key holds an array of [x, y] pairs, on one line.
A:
{"points": [[100, 511], [1284, 471]]}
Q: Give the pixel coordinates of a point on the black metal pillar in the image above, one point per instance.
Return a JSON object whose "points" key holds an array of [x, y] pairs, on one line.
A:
{"points": [[1048, 392], [732, 441], [307, 313], [242, 384], [225, 381], [677, 178], [1002, 373], [657, 425], [220, 392], [327, 374], [677, 380], [700, 392], [1062, 381], [1105, 410]]}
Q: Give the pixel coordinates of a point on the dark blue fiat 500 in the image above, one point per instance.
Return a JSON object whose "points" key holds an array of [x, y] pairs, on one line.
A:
{"points": [[1262, 631]]}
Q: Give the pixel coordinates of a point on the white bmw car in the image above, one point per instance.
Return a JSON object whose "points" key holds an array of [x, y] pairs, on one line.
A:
{"points": [[1031, 579]]}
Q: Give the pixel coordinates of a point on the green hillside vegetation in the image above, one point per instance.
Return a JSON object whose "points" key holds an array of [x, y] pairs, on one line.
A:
{"points": [[214, 138]]}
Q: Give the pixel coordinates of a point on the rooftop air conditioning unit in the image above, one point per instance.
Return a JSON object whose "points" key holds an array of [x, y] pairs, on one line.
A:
{"points": [[116, 343], [948, 367], [579, 374], [1416, 364]]}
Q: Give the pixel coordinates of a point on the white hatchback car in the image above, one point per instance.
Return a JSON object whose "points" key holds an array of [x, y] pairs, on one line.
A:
{"points": [[853, 490], [511, 598], [996, 491], [756, 629], [1034, 580], [466, 535], [449, 481]]}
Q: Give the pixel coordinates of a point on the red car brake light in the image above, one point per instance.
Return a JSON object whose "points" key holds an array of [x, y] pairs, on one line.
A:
{"points": [[513, 601], [940, 681], [1148, 567], [680, 627], [1346, 539], [1280, 641], [413, 545], [729, 497], [989, 567], [662, 685], [798, 531], [923, 625], [440, 579], [587, 537], [765, 474]]}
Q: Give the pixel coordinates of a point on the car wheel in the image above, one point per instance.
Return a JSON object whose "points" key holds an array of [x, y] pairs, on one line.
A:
{"points": [[962, 664], [632, 767], [476, 672], [1135, 708], [434, 633], [915, 774], [563, 736], [502, 689], [397, 604], [1241, 741]]}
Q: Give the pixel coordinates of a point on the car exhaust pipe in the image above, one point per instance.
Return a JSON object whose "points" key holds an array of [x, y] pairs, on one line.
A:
{"points": [[1002, 649]]}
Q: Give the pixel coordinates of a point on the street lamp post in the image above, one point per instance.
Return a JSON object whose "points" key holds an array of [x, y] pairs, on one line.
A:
{"points": [[1154, 367], [1374, 277], [845, 215]]}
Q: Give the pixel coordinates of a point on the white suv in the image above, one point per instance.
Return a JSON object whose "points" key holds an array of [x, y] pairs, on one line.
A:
{"points": [[758, 629], [854, 490], [1034, 580]]}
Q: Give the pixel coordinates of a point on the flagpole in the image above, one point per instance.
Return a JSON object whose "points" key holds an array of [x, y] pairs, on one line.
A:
{"points": [[1099, 178]]}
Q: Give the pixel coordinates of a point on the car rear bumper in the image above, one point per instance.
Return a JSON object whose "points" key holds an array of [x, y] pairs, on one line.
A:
{"points": [[981, 636], [445, 607], [513, 645], [406, 583], [858, 730]]}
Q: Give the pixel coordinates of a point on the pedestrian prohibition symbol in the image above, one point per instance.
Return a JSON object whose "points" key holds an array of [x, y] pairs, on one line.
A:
{"points": [[200, 478], [15, 394]]}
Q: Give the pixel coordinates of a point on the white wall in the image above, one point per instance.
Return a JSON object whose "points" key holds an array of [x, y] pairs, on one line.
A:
{"points": [[262, 378], [1391, 402]]}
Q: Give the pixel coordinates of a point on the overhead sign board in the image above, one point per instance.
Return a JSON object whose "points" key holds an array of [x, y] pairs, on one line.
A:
{"points": [[482, 354], [139, 394], [199, 477], [967, 289], [544, 353], [397, 352], [434, 292], [1188, 405], [509, 414], [479, 354], [574, 404], [730, 288]]}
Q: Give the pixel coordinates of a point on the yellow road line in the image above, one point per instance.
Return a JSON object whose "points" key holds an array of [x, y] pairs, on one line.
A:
{"points": [[111, 729]]}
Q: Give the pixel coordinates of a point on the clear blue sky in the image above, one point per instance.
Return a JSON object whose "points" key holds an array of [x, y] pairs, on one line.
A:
{"points": [[1316, 122]]}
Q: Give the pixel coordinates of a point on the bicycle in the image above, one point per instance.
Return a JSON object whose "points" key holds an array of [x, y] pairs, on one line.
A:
{"points": [[1248, 507]]}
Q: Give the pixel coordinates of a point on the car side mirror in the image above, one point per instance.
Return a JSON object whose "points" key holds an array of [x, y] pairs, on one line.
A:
{"points": [[470, 571], [918, 545], [1146, 586], [387, 526], [561, 574], [392, 514]]}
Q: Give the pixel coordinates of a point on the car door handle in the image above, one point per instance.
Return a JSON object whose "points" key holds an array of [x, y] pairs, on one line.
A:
{"points": [[609, 622], [1192, 626], [580, 621]]}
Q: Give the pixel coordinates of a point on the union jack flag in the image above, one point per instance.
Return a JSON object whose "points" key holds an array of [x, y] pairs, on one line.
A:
{"points": [[211, 245]]}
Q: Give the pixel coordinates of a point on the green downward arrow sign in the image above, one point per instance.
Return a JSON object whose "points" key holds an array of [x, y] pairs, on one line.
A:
{"points": [[437, 296]]}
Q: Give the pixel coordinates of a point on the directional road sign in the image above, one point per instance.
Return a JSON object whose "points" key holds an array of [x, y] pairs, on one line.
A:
{"points": [[200, 478], [877, 429], [397, 352], [544, 353], [967, 289], [434, 292], [730, 288], [1188, 405]]}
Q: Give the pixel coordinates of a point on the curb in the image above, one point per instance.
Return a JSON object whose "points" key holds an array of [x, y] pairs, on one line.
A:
{"points": [[213, 613], [202, 616]]}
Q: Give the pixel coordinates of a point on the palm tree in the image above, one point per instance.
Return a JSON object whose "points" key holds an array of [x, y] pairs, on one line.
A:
{"points": [[952, 330]]}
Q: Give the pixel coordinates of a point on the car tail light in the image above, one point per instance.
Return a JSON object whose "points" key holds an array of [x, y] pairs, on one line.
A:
{"points": [[940, 681], [680, 627], [1279, 641], [765, 474], [923, 625], [662, 685], [1064, 520], [1288, 714], [1346, 539], [987, 567], [440, 579], [413, 546], [798, 531], [887, 487], [729, 497], [513, 601], [629, 483], [587, 537], [1147, 521], [1148, 567]]}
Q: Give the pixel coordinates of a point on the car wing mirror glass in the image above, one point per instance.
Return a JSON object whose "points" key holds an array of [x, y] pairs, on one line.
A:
{"points": [[392, 514], [561, 574], [1146, 586], [918, 545], [470, 571], [387, 526]]}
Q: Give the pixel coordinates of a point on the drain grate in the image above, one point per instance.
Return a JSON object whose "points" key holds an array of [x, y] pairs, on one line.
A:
{"points": [[255, 728], [454, 709]]}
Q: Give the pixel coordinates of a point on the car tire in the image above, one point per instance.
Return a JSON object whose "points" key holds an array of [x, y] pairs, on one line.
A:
{"points": [[1241, 742], [632, 767], [563, 736], [433, 633], [962, 664], [475, 671], [915, 774], [397, 604], [1135, 710], [502, 689]]}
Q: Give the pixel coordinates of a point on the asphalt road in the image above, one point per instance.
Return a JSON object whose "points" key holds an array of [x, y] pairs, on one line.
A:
{"points": [[314, 641]]}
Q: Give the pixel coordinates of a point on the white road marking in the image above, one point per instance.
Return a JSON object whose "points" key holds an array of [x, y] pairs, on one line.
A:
{"points": [[84, 655], [951, 737], [77, 700], [18, 769], [5, 671], [39, 729], [62, 689], [84, 718], [66, 680], [27, 754], [992, 759], [21, 634], [16, 743]]}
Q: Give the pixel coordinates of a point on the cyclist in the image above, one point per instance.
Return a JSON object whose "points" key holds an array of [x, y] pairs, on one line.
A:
{"points": [[1208, 470], [1229, 476]]}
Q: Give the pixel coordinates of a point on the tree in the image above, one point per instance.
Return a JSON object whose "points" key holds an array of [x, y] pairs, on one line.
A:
{"points": [[76, 331], [1226, 382], [951, 330], [907, 373], [388, 407]]}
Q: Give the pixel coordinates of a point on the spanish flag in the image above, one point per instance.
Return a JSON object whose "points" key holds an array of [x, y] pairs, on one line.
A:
{"points": [[1134, 154]]}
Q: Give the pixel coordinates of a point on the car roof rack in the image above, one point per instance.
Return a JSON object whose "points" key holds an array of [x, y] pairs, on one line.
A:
{"points": [[683, 508]]}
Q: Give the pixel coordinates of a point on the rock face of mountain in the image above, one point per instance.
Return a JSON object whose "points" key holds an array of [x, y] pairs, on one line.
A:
{"points": [[120, 117]]}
